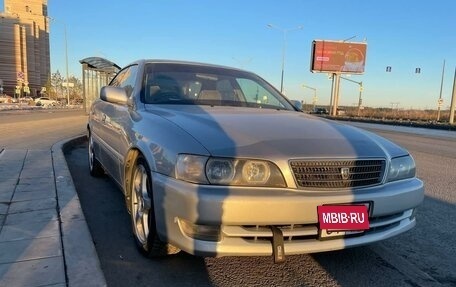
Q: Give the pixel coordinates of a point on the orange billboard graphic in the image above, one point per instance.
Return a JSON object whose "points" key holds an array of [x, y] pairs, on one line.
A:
{"points": [[338, 57]]}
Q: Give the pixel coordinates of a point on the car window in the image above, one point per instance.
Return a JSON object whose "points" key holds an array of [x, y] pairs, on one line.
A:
{"points": [[254, 93], [202, 85], [126, 79]]}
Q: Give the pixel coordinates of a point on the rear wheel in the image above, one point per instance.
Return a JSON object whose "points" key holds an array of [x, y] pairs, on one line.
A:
{"points": [[95, 168], [142, 213]]}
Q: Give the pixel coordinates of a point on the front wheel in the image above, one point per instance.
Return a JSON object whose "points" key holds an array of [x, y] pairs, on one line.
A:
{"points": [[142, 213]]}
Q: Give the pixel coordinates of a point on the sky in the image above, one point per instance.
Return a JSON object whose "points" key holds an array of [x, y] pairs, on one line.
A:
{"points": [[402, 34]]}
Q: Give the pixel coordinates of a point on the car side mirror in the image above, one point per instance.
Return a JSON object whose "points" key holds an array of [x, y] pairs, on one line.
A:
{"points": [[115, 95], [296, 104]]}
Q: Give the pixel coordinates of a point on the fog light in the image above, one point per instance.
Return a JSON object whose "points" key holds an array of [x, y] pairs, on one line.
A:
{"points": [[200, 232], [413, 214]]}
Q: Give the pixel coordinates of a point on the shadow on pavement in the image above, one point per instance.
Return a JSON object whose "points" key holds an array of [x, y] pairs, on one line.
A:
{"points": [[104, 208]]}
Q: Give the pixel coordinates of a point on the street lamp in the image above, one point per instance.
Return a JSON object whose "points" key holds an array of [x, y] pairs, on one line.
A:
{"points": [[284, 31], [66, 61], [314, 99], [361, 88], [66, 67]]}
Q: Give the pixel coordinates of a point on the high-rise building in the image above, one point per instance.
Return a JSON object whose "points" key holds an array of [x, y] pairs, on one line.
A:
{"points": [[24, 46]]}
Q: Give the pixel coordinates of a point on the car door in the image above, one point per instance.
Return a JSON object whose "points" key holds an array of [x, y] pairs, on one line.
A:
{"points": [[115, 118]]}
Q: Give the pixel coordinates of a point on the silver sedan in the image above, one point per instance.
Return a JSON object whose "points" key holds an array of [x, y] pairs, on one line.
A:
{"points": [[214, 161]]}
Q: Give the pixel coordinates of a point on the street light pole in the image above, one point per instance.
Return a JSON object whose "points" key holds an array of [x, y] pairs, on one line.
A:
{"points": [[66, 60], [314, 99], [440, 97], [284, 31], [360, 99], [66, 66]]}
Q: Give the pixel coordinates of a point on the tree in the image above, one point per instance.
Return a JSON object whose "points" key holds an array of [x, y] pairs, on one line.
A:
{"points": [[56, 83]]}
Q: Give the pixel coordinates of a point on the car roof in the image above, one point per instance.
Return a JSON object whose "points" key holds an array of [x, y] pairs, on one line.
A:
{"points": [[164, 61]]}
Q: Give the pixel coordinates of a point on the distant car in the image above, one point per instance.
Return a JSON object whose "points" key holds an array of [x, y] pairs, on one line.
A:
{"points": [[216, 162], [320, 111], [26, 100], [5, 99], [46, 102]]}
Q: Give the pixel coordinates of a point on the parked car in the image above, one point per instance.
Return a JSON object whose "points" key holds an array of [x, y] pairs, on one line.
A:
{"points": [[5, 99], [320, 111], [46, 102], [216, 162]]}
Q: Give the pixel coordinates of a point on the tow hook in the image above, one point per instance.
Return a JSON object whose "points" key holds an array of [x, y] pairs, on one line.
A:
{"points": [[278, 250]]}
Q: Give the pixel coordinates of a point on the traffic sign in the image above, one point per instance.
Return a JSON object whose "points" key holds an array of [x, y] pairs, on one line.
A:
{"points": [[20, 76]]}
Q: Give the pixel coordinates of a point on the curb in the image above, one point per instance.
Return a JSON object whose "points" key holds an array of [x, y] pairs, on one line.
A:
{"points": [[82, 265]]}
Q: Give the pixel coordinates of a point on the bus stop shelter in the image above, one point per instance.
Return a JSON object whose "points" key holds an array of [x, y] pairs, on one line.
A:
{"points": [[96, 73]]}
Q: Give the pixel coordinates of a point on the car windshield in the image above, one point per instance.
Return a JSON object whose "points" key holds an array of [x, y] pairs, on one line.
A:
{"points": [[205, 85]]}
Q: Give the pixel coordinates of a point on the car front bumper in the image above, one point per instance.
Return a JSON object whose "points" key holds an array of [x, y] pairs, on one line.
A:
{"points": [[245, 214]]}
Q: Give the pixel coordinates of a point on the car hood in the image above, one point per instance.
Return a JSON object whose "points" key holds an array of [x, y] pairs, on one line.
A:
{"points": [[267, 133]]}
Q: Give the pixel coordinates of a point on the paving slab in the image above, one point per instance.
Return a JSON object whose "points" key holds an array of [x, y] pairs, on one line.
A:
{"points": [[9, 172], [35, 187], [34, 181], [29, 230], [7, 188], [31, 216], [32, 205], [13, 155], [38, 155], [41, 245], [30, 249], [33, 273], [3, 207], [22, 196], [37, 172]]}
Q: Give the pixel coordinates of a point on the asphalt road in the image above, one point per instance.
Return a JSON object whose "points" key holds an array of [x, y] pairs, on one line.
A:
{"points": [[39, 129], [424, 256]]}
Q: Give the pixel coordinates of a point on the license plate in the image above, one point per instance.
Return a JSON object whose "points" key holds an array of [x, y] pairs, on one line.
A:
{"points": [[341, 220]]}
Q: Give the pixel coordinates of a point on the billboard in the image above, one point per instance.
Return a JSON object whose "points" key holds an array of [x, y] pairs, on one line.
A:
{"points": [[338, 57]]}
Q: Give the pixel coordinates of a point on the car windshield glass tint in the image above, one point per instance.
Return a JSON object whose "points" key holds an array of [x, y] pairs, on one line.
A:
{"points": [[203, 85]]}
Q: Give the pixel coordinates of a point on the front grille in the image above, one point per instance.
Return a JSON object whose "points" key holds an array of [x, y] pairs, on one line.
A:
{"points": [[338, 173]]}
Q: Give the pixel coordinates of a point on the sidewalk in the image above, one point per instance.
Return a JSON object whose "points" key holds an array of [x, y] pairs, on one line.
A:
{"points": [[44, 238]]}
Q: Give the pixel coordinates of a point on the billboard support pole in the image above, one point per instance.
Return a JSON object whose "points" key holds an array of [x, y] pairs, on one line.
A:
{"points": [[331, 104], [336, 93]]}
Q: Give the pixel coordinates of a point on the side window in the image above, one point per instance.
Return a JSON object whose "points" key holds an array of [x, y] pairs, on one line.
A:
{"points": [[126, 79], [254, 93]]}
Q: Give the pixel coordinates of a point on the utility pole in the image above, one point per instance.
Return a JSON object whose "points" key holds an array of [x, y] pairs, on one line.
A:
{"points": [[440, 101]]}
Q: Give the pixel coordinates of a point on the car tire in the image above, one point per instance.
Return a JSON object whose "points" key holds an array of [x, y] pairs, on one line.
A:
{"points": [[95, 167], [143, 215]]}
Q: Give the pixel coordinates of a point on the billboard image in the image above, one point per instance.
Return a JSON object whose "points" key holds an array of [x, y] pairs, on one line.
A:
{"points": [[338, 57]]}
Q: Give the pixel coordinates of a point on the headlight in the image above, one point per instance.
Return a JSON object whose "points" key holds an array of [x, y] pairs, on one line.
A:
{"points": [[243, 172], [228, 171], [191, 168], [220, 171], [401, 168]]}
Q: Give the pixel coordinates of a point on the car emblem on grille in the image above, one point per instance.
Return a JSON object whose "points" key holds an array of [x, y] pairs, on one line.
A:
{"points": [[345, 172]]}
